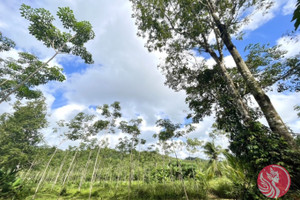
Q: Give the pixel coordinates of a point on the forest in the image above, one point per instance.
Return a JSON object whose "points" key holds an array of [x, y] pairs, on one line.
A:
{"points": [[84, 160]]}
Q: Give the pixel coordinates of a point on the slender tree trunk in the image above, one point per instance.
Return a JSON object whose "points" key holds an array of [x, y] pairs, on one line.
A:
{"points": [[274, 120], [156, 179], [110, 175], [55, 171], [48, 175], [171, 171], [85, 170], [94, 170], [71, 172], [130, 172], [36, 177], [60, 168], [28, 172], [69, 169], [137, 166], [181, 176], [44, 173], [164, 157]]}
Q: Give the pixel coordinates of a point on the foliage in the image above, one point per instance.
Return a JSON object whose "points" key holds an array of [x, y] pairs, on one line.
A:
{"points": [[173, 170], [269, 66], [182, 29], [213, 166], [212, 151], [139, 192], [222, 187], [151, 178], [42, 28], [297, 108], [20, 133], [20, 78], [79, 127], [256, 146], [192, 145], [5, 43], [13, 72], [296, 15], [9, 184]]}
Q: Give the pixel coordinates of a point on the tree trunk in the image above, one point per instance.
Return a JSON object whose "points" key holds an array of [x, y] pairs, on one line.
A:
{"points": [[130, 172], [94, 170], [36, 177], [69, 169], [274, 120], [28, 172], [44, 173], [180, 175], [85, 170], [48, 175], [241, 106], [71, 172], [58, 173]]}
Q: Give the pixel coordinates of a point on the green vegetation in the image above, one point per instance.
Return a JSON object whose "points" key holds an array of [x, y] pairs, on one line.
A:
{"points": [[296, 15], [29, 169]]}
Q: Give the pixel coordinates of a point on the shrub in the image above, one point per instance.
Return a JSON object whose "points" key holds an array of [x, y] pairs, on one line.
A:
{"points": [[221, 187]]}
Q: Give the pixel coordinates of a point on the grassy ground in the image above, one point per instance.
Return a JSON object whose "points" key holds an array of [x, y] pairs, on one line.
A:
{"points": [[113, 191]]}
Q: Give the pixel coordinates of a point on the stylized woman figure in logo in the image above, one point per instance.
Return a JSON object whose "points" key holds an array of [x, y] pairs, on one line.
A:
{"points": [[269, 188]]}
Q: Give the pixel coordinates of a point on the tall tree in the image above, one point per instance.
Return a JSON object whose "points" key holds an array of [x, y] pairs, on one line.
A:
{"points": [[20, 132], [179, 27], [131, 128], [213, 152], [107, 125], [168, 132]]}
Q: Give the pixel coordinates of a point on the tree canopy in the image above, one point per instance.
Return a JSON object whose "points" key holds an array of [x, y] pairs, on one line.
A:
{"points": [[42, 28], [20, 133], [296, 15], [185, 29]]}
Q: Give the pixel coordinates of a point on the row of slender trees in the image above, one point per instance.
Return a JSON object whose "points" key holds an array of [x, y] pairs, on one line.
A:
{"points": [[100, 164], [93, 133]]}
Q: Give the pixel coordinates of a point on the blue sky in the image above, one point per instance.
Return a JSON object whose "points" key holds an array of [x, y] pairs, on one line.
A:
{"points": [[125, 71], [268, 33]]}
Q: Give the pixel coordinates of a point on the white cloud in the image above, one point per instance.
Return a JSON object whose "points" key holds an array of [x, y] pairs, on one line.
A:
{"points": [[3, 25], [13, 53], [284, 104], [64, 113], [229, 62], [259, 17], [291, 45], [289, 7]]}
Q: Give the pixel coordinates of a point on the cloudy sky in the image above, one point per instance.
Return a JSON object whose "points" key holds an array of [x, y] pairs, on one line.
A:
{"points": [[124, 71]]}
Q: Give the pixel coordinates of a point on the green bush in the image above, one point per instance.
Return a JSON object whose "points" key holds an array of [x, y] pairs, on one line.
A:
{"points": [[9, 184], [221, 187]]}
